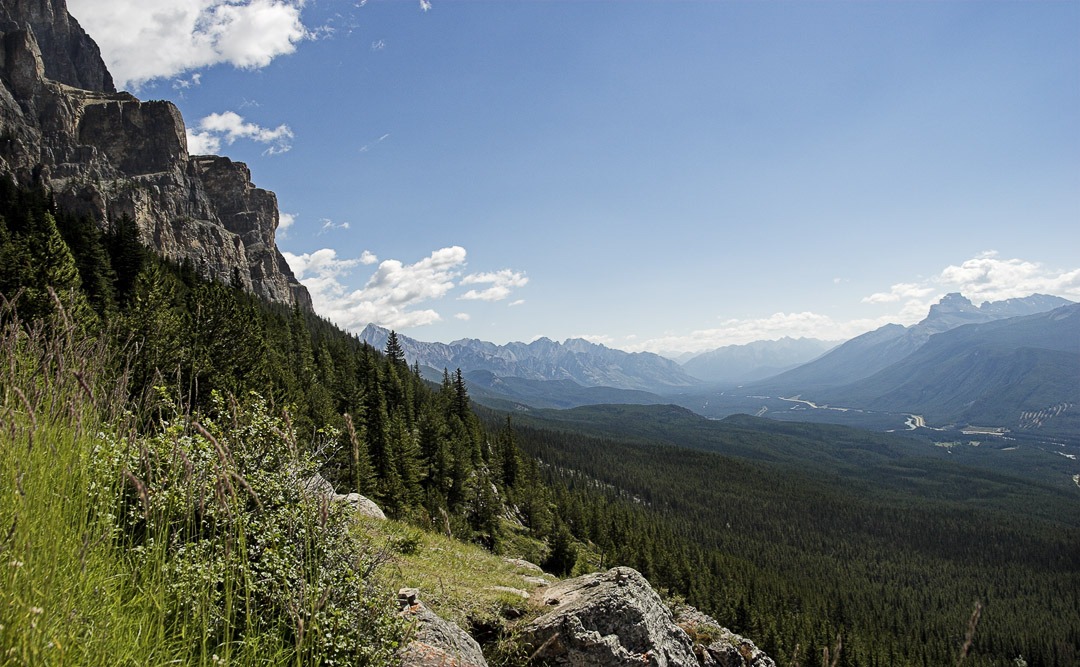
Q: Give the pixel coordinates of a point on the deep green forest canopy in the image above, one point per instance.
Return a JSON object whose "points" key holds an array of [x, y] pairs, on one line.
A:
{"points": [[790, 535]]}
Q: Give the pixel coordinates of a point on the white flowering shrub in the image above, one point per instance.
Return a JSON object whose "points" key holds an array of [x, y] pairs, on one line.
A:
{"points": [[246, 549]]}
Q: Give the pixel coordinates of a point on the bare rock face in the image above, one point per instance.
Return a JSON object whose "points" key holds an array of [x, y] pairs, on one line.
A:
{"points": [[609, 619], [436, 642], [106, 155], [71, 57]]}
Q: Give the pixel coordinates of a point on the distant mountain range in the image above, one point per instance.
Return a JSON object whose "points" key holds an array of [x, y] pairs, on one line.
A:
{"points": [[1021, 373], [755, 361], [876, 350], [576, 359]]}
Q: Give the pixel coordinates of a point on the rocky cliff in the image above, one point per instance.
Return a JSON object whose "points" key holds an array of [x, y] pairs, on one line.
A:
{"points": [[106, 154]]}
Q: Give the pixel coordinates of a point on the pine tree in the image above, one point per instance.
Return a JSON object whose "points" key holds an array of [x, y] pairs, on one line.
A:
{"points": [[393, 349]]}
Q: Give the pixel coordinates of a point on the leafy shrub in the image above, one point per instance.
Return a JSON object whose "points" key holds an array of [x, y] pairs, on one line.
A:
{"points": [[221, 504]]}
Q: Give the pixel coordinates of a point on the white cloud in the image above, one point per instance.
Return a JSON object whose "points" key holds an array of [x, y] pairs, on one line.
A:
{"points": [[425, 5], [985, 277], [899, 291], [501, 282], [367, 257], [285, 220], [388, 298], [329, 226], [515, 303], [378, 45], [227, 127], [463, 316], [142, 40]]}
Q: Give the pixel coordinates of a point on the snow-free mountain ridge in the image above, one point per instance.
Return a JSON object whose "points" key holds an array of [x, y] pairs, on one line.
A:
{"points": [[875, 350], [588, 364]]}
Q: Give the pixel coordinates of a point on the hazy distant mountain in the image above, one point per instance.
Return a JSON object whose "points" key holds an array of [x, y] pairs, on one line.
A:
{"points": [[1021, 372], [558, 394], [585, 363], [876, 350], [754, 361]]}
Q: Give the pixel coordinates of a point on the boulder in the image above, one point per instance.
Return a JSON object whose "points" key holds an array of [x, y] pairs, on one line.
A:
{"points": [[607, 619], [362, 505], [435, 642], [317, 485], [716, 645]]}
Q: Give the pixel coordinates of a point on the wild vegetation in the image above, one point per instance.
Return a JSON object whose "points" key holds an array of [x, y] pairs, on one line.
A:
{"points": [[152, 509]]}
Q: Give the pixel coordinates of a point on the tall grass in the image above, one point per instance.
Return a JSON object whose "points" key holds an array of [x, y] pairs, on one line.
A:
{"points": [[191, 543]]}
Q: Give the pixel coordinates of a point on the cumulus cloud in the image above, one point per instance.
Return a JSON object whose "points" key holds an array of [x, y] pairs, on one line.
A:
{"points": [[227, 127], [515, 303], [367, 257], [501, 283], [285, 220], [463, 316], [985, 277], [899, 291], [142, 40], [388, 298]]}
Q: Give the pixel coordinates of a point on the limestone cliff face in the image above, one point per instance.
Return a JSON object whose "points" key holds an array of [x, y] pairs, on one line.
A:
{"points": [[107, 154]]}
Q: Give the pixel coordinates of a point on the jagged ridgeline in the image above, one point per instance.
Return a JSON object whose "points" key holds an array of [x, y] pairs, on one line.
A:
{"points": [[108, 155], [153, 303]]}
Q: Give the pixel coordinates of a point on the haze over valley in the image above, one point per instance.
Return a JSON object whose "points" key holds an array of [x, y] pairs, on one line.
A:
{"points": [[606, 333]]}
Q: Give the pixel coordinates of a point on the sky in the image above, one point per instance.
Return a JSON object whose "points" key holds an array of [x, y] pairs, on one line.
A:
{"points": [[664, 176]]}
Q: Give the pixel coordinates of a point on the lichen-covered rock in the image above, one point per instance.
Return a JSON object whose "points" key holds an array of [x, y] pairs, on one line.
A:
{"points": [[437, 642], [108, 155], [607, 619], [716, 645]]}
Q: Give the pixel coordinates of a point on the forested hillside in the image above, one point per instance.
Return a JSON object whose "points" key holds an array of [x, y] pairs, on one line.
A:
{"points": [[790, 534]]}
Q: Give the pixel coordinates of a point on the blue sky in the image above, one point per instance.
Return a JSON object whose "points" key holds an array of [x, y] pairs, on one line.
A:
{"points": [[663, 176]]}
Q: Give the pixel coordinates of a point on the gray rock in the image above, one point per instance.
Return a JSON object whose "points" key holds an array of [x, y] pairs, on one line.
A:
{"points": [[437, 642], [360, 504], [524, 595], [607, 619], [318, 486], [716, 645], [107, 155], [524, 564]]}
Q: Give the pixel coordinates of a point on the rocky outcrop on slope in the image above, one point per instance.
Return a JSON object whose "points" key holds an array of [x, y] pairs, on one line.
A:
{"points": [[435, 642], [611, 618], [716, 645], [107, 155]]}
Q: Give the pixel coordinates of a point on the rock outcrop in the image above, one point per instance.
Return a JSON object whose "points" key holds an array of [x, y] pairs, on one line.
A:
{"points": [[609, 619], [716, 645], [435, 642], [106, 154]]}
